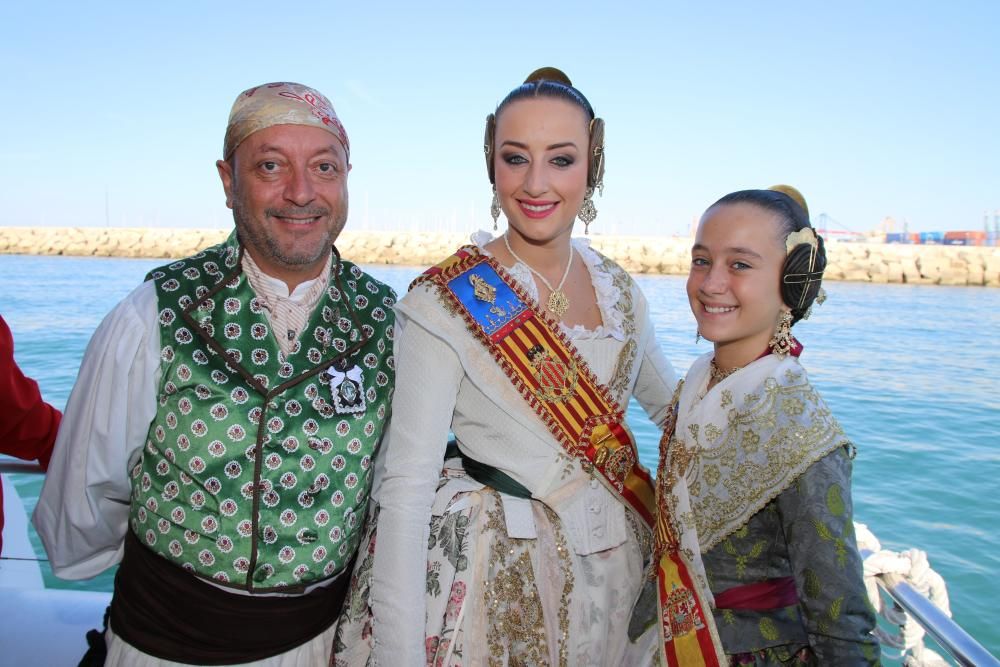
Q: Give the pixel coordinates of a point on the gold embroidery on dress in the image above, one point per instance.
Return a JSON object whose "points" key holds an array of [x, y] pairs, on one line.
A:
{"points": [[626, 303], [727, 398], [568, 465], [568, 581], [742, 559], [765, 445], [515, 617], [623, 368], [713, 432], [681, 457], [643, 535], [626, 306], [516, 631], [449, 305]]}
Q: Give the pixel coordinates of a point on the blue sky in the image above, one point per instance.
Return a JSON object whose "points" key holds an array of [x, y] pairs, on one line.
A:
{"points": [[115, 112]]}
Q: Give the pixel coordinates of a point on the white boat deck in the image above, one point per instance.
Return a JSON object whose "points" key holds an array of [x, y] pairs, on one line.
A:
{"points": [[41, 627]]}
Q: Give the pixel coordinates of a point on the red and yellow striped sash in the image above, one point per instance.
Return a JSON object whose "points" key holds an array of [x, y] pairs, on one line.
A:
{"points": [[548, 371], [687, 626]]}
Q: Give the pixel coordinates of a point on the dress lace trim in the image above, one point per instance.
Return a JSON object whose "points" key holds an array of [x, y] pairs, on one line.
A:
{"points": [[608, 293]]}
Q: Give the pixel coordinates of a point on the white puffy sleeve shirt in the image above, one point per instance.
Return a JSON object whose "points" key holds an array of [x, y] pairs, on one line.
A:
{"points": [[82, 513]]}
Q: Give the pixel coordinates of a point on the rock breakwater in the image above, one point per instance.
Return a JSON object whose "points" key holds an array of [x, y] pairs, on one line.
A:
{"points": [[861, 262]]}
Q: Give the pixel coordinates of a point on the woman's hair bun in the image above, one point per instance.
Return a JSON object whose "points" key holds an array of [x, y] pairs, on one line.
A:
{"points": [[794, 194], [549, 74]]}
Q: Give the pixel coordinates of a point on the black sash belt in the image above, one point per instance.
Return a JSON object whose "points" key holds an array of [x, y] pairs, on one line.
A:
{"points": [[162, 610], [487, 474]]}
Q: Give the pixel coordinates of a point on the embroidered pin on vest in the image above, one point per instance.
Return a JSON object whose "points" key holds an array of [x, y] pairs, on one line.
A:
{"points": [[347, 387]]}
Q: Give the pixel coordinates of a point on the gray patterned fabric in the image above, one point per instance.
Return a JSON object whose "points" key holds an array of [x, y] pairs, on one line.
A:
{"points": [[806, 533]]}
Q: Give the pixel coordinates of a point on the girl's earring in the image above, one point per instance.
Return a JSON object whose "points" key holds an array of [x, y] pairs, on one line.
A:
{"points": [[781, 341]]}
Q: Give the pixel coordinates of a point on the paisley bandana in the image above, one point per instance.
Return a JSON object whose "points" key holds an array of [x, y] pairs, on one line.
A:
{"points": [[280, 103]]}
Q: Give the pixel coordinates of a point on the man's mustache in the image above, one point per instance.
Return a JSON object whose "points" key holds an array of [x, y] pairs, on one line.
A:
{"points": [[296, 212]]}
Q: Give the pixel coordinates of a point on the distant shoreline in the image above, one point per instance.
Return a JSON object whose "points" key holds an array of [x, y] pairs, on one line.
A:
{"points": [[857, 262]]}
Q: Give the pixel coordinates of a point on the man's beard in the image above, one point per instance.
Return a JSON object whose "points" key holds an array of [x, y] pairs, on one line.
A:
{"points": [[257, 235]]}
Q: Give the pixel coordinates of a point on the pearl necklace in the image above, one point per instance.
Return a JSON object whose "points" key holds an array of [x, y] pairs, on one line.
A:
{"points": [[558, 302]]}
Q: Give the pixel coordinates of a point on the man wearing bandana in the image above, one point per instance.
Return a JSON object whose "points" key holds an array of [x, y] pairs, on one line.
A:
{"points": [[219, 440]]}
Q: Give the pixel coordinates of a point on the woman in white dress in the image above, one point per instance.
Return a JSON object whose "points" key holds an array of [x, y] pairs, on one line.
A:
{"points": [[532, 544]]}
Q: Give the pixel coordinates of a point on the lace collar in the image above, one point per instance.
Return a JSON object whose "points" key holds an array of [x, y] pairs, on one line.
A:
{"points": [[608, 294]]}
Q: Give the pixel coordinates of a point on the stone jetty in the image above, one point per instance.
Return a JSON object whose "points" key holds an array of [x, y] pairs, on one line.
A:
{"points": [[860, 262]]}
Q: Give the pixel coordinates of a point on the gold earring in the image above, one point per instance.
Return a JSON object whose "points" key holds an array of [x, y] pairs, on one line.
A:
{"points": [[781, 341], [588, 212], [495, 208]]}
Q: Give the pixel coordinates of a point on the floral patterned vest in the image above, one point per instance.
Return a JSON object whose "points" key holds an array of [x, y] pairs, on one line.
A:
{"points": [[257, 468]]}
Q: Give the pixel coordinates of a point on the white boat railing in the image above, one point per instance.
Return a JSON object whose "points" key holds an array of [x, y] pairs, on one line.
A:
{"points": [[919, 606], [947, 633], [916, 606], [12, 465]]}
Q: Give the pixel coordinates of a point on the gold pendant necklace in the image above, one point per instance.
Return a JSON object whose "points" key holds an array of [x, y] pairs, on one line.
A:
{"points": [[558, 302], [718, 375]]}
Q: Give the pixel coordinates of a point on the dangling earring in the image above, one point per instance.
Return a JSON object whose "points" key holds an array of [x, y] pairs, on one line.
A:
{"points": [[697, 336], [495, 208], [588, 212], [781, 341]]}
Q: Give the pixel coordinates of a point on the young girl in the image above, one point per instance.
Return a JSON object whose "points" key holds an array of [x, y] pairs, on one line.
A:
{"points": [[767, 467]]}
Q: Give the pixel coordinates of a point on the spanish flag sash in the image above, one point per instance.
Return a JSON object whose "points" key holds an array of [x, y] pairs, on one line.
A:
{"points": [[547, 370], [687, 626]]}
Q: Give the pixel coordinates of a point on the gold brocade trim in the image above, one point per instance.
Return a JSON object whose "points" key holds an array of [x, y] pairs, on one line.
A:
{"points": [[668, 471], [449, 305], [770, 437], [516, 632], [643, 536], [623, 281], [568, 581], [623, 368], [622, 375], [515, 615]]}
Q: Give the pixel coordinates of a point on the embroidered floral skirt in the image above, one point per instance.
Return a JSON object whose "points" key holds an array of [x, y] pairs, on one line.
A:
{"points": [[495, 600]]}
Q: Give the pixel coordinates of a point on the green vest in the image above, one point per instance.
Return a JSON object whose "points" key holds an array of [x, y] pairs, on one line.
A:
{"points": [[257, 468]]}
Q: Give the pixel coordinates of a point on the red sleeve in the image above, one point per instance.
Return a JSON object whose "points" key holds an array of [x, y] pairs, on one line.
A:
{"points": [[28, 425]]}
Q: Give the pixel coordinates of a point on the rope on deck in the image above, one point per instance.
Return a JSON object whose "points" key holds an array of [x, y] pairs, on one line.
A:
{"points": [[913, 566]]}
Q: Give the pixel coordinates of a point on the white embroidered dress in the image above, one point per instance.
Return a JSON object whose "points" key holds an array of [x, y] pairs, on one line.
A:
{"points": [[464, 575]]}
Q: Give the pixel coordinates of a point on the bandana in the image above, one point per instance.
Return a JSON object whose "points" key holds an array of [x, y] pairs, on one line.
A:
{"points": [[280, 104]]}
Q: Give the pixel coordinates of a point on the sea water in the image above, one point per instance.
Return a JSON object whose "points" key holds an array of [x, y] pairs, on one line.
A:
{"points": [[911, 372]]}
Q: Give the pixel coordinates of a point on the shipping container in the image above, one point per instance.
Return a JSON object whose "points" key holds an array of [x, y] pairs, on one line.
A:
{"points": [[931, 238], [965, 238], [897, 237]]}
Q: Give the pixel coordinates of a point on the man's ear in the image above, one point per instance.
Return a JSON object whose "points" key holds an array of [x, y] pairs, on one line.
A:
{"points": [[226, 174]]}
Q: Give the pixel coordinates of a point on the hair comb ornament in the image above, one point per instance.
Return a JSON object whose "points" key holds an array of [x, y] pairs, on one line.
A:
{"points": [[805, 236]]}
